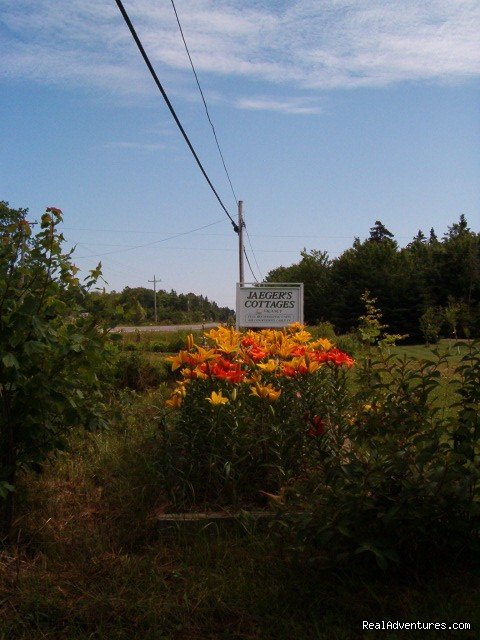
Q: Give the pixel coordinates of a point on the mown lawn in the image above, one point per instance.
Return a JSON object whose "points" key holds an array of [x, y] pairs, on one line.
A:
{"points": [[451, 349]]}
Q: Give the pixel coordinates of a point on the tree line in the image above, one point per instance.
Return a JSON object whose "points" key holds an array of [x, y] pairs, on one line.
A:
{"points": [[136, 305], [427, 289]]}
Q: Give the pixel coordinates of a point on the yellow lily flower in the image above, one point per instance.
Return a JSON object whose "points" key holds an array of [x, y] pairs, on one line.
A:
{"points": [[191, 358], [268, 336], [191, 374], [323, 343], [256, 378], [216, 398], [283, 345], [302, 336], [203, 355], [313, 366], [226, 340], [295, 326], [269, 367], [174, 402]]}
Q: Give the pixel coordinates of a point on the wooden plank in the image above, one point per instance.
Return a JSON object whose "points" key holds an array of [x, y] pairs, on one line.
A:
{"points": [[213, 515]]}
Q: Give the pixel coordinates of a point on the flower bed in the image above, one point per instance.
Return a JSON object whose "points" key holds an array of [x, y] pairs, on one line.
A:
{"points": [[246, 412]]}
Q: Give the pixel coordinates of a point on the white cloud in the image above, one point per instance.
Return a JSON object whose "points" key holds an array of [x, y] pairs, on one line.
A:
{"points": [[306, 46], [296, 106]]}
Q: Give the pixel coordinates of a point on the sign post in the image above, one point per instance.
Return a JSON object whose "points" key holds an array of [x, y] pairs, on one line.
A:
{"points": [[269, 305]]}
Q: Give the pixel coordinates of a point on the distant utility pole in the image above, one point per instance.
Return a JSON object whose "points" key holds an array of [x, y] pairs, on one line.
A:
{"points": [[155, 280], [240, 241]]}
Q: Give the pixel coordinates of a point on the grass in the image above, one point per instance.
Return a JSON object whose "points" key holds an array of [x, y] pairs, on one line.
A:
{"points": [[161, 341], [92, 562], [451, 349], [217, 583]]}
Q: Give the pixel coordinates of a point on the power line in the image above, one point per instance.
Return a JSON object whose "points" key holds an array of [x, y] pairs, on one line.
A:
{"points": [[142, 232], [218, 235], [216, 141], [251, 248], [249, 265], [204, 101], [149, 244], [253, 253], [170, 107], [119, 266]]}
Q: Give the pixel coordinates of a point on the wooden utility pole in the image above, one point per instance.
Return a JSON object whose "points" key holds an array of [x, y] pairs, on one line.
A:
{"points": [[155, 280], [240, 242]]}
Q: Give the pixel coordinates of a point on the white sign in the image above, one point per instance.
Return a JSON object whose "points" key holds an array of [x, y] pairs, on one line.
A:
{"points": [[269, 305]]}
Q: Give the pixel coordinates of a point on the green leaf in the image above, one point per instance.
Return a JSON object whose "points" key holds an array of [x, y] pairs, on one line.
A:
{"points": [[5, 488], [33, 346], [9, 360]]}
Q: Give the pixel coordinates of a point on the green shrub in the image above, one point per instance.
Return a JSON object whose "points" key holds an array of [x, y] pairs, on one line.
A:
{"points": [[136, 372], [157, 341], [176, 340], [395, 476], [350, 343], [431, 324], [50, 348], [323, 330], [158, 347]]}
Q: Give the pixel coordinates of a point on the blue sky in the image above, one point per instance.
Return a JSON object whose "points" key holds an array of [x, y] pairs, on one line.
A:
{"points": [[331, 114]]}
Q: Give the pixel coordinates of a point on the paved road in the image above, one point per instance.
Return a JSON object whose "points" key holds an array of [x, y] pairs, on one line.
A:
{"points": [[171, 327]]}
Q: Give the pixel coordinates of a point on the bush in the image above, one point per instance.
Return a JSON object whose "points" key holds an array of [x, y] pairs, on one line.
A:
{"points": [[155, 341], [50, 348], [323, 330], [350, 342], [136, 372], [395, 476], [158, 347], [175, 340], [131, 346], [431, 324]]}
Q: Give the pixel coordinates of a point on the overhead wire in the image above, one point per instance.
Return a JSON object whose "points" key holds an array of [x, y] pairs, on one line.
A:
{"points": [[219, 235], [214, 135], [149, 244], [118, 266], [171, 109], [184, 134], [204, 101], [249, 265], [253, 253]]}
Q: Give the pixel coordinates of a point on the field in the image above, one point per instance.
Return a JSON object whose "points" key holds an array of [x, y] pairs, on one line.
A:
{"points": [[92, 560]]}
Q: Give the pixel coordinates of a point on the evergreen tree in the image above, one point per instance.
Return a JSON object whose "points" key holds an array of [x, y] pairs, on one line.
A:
{"points": [[379, 232], [413, 285]]}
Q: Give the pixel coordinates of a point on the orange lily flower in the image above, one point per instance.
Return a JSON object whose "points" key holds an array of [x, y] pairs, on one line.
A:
{"points": [[265, 391]]}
